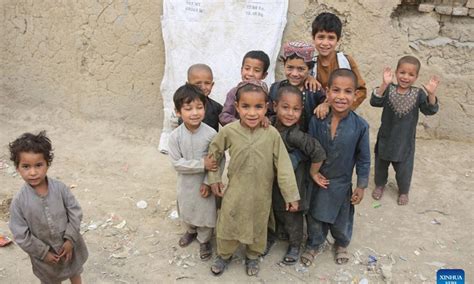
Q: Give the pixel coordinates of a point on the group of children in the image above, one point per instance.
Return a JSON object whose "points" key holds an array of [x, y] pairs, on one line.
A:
{"points": [[292, 151]]}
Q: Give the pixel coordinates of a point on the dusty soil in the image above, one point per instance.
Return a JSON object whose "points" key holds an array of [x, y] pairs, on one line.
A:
{"points": [[112, 166]]}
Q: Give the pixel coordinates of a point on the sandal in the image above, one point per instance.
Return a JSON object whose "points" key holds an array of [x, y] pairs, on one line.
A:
{"points": [[186, 239], [269, 246], [342, 256], [205, 251], [219, 265], [291, 256], [378, 192], [251, 266], [308, 256], [403, 199]]}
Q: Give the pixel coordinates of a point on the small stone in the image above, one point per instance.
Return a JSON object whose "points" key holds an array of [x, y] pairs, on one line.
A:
{"points": [[444, 10], [142, 204], [460, 11], [423, 278], [426, 8], [416, 252]]}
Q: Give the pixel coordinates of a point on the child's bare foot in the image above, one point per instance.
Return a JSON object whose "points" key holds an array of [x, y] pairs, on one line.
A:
{"points": [[378, 192], [403, 199]]}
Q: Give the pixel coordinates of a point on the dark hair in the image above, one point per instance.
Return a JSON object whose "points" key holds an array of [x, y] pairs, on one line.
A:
{"points": [[327, 22], [27, 142], [259, 55], [295, 56], [410, 60], [288, 89], [186, 94], [342, 72], [199, 66], [250, 88]]}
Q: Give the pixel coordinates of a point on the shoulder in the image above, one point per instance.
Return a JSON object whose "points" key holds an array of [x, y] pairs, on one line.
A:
{"points": [[176, 132], [271, 130], [213, 102], [21, 195], [360, 122], [207, 129], [57, 185]]}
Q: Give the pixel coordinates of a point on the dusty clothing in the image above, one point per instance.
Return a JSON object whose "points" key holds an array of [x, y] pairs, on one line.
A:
{"points": [[256, 158], [229, 113], [323, 73], [186, 151], [204, 234], [41, 224], [227, 248], [403, 172], [291, 224], [341, 229]]}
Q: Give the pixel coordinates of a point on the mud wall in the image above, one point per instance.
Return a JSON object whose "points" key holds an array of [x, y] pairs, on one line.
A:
{"points": [[105, 59]]}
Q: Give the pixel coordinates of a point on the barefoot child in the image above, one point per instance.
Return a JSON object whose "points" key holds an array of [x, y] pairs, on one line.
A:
{"points": [[257, 155], [326, 31], [401, 104], [288, 108], [188, 146], [201, 76], [345, 137], [45, 217]]}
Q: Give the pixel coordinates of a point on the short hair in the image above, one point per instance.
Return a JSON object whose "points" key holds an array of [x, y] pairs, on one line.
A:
{"points": [[251, 86], [410, 60], [186, 94], [259, 55], [199, 66], [342, 72], [310, 64], [27, 142], [288, 89], [327, 22]]}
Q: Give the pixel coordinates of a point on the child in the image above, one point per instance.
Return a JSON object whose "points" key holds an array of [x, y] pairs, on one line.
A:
{"points": [[288, 108], [326, 33], [345, 137], [257, 153], [45, 218], [201, 75], [254, 67], [298, 62], [188, 146], [396, 138]]}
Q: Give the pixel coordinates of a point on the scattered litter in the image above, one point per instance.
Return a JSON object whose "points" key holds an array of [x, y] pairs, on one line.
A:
{"points": [[376, 204], [301, 268], [173, 215], [403, 258], [121, 225], [142, 204], [435, 222], [436, 263], [72, 186], [433, 210], [372, 263], [120, 255], [184, 277], [416, 252], [92, 226], [4, 241], [364, 281]]}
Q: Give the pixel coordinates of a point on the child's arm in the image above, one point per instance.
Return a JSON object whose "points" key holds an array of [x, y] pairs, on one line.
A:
{"points": [[183, 165], [431, 89], [217, 149], [284, 171], [378, 95], [361, 95], [362, 165], [74, 215], [312, 84], [228, 113]]}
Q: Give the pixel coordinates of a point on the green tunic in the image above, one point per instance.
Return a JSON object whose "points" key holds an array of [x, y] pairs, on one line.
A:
{"points": [[255, 157]]}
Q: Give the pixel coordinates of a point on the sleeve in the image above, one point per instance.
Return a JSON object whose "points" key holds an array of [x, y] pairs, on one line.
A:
{"points": [[363, 158], [228, 113], [307, 144], [74, 215], [217, 149], [284, 170], [425, 107], [180, 164], [378, 101], [362, 94], [22, 234]]}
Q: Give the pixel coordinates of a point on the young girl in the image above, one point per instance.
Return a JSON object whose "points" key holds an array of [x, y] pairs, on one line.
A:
{"points": [[45, 217], [256, 153], [396, 138], [288, 107]]}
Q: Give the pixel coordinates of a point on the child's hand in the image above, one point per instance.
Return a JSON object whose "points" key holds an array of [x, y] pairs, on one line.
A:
{"points": [[312, 84], [265, 122], [292, 206], [51, 258], [205, 190], [357, 196], [210, 163], [66, 250], [387, 75], [320, 180], [432, 85], [321, 110], [218, 189]]}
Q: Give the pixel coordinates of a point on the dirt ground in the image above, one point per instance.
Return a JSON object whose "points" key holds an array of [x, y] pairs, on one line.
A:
{"points": [[112, 166]]}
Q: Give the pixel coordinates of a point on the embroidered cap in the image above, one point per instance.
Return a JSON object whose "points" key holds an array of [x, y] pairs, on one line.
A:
{"points": [[257, 83], [300, 48]]}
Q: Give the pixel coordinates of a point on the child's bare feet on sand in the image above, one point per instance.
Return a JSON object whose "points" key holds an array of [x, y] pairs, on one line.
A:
{"points": [[403, 199], [378, 192]]}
